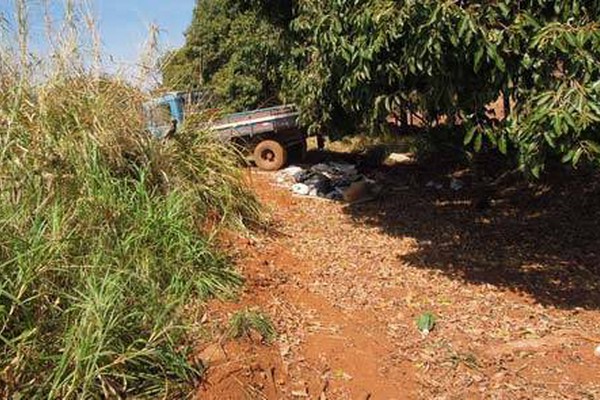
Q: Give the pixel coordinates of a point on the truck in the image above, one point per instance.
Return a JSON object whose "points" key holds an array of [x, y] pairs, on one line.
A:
{"points": [[271, 135]]}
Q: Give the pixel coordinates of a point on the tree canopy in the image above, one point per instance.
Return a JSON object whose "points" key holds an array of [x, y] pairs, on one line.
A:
{"points": [[350, 63], [233, 49]]}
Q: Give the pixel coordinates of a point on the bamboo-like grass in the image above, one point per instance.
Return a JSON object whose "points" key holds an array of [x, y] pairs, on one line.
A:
{"points": [[103, 233]]}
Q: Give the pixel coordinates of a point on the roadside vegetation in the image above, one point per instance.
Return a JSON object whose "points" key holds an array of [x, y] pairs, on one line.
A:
{"points": [[105, 233], [244, 322]]}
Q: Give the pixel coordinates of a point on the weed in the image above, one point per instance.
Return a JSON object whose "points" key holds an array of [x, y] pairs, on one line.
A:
{"points": [[458, 358], [426, 322], [245, 321], [102, 234]]}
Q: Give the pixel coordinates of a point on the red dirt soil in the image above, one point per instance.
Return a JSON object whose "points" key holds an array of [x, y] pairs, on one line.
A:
{"points": [[344, 291]]}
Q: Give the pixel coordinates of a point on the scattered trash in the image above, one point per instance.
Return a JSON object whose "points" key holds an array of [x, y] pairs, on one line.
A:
{"points": [[426, 322], [300, 189], [334, 169], [435, 185], [333, 181], [287, 172], [456, 185]]}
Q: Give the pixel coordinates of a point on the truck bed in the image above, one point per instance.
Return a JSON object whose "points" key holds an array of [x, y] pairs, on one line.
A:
{"points": [[264, 120]]}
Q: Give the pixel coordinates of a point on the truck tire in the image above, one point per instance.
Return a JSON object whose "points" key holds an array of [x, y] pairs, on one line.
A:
{"points": [[270, 155]]}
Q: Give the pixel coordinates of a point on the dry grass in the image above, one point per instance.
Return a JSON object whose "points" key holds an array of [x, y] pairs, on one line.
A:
{"points": [[102, 228]]}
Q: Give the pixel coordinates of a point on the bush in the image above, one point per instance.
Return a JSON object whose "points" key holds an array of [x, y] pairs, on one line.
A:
{"points": [[363, 60]]}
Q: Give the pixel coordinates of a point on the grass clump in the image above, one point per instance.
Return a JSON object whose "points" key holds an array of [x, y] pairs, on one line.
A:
{"points": [[243, 322], [103, 237]]}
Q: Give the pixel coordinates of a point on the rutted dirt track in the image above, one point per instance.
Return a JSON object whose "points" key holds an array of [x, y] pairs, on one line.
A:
{"points": [[344, 286]]}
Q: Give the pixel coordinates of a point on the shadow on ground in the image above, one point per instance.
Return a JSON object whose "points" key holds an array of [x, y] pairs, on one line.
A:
{"points": [[542, 239]]}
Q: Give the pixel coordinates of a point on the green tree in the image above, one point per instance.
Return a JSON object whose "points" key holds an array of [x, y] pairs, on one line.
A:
{"points": [[365, 59], [233, 50]]}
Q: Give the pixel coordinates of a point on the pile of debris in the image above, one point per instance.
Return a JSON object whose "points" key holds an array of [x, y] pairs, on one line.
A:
{"points": [[333, 181]]}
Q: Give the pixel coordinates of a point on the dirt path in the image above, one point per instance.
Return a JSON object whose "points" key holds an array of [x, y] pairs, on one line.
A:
{"points": [[344, 292]]}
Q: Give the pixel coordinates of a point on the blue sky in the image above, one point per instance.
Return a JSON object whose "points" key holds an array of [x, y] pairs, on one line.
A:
{"points": [[123, 23]]}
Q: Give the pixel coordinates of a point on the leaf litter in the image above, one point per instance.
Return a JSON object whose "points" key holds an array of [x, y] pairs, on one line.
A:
{"points": [[351, 287]]}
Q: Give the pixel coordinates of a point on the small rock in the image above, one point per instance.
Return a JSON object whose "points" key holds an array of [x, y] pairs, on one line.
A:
{"points": [[300, 392], [356, 191], [213, 354], [499, 376], [285, 349], [399, 158], [597, 351], [360, 191]]}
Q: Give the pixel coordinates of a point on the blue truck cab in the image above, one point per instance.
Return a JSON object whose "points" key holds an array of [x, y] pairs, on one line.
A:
{"points": [[163, 114], [269, 133]]}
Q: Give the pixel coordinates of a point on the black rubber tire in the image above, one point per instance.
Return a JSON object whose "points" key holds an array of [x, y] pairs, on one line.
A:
{"points": [[270, 155]]}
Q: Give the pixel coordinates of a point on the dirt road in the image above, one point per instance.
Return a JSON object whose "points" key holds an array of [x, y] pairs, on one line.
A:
{"points": [[344, 285]]}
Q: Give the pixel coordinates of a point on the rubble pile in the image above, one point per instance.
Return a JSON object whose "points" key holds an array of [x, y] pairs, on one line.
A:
{"points": [[333, 181]]}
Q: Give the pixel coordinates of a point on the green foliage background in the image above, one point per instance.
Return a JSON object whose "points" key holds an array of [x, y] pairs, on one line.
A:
{"points": [[234, 50], [349, 63]]}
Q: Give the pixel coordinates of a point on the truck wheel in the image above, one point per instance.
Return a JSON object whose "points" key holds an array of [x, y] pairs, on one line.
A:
{"points": [[270, 155]]}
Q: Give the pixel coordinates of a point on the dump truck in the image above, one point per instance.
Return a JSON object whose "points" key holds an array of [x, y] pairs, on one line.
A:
{"points": [[270, 135]]}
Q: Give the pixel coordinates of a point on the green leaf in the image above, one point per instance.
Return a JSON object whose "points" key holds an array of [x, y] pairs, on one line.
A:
{"points": [[593, 146], [478, 142], [502, 145], [504, 9], [469, 135], [568, 157], [478, 56], [462, 27], [494, 56], [577, 156], [426, 322], [549, 139]]}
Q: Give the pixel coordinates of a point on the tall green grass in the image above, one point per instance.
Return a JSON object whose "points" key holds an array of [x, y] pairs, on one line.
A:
{"points": [[103, 236]]}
